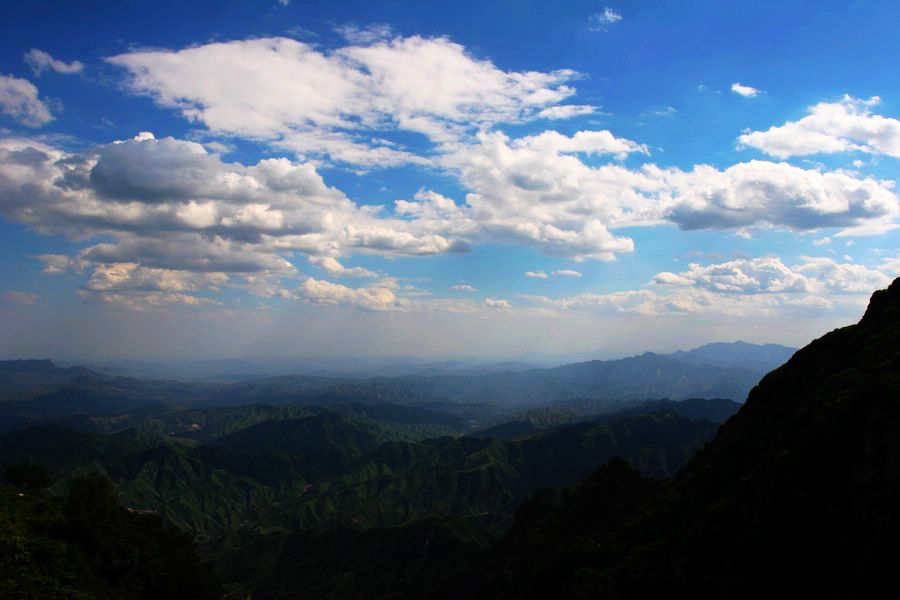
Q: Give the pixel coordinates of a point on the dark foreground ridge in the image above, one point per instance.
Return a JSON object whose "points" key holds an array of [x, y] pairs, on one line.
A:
{"points": [[797, 496]]}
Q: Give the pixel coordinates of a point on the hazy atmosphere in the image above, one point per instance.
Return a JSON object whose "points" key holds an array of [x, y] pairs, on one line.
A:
{"points": [[495, 300], [271, 179]]}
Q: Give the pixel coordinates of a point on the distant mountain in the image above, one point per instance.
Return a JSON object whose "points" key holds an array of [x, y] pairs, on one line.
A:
{"points": [[24, 379], [796, 496], [244, 369], [648, 376], [758, 357], [34, 391]]}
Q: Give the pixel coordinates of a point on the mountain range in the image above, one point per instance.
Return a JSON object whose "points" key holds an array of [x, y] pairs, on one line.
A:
{"points": [[34, 391], [568, 482]]}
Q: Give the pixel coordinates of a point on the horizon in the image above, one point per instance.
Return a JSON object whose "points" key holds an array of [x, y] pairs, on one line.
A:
{"points": [[480, 181], [354, 367]]}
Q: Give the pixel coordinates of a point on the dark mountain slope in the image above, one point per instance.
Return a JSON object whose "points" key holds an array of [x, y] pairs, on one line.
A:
{"points": [[465, 477], [86, 546], [797, 496]]}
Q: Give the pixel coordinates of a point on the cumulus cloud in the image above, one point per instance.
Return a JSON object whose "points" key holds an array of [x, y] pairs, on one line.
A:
{"points": [[19, 100], [842, 126], [133, 277], [770, 275], [567, 273], [496, 303], [744, 90], [379, 296], [327, 103], [565, 111], [741, 288], [463, 287], [536, 274], [169, 204], [843, 278], [40, 61], [600, 21], [536, 191], [145, 188], [759, 193], [133, 286], [545, 190], [744, 276], [334, 268]]}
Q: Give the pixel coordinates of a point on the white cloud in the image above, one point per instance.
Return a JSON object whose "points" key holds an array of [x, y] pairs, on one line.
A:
{"points": [[603, 19], [822, 241], [744, 276], [744, 90], [378, 296], [19, 101], [536, 191], [15, 297], [497, 303], [131, 276], [170, 204], [145, 191], [757, 287], [566, 111], [585, 142], [759, 193], [40, 61], [771, 276], [328, 103], [536, 274], [334, 268], [138, 301], [830, 127], [567, 273], [463, 287], [838, 278], [169, 208]]}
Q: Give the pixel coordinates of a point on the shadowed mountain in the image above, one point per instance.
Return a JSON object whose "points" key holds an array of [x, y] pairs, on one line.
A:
{"points": [[320, 468], [797, 495]]}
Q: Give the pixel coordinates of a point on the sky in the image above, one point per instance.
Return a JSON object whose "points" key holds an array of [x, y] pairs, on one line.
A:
{"points": [[499, 180]]}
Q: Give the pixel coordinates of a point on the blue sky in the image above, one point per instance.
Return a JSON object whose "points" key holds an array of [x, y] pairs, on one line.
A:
{"points": [[469, 179]]}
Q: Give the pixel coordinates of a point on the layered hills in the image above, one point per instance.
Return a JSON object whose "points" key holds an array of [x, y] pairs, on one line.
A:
{"points": [[797, 495]]}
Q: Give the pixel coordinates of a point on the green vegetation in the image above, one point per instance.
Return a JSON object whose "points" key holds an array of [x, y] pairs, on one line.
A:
{"points": [[86, 546], [581, 496]]}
